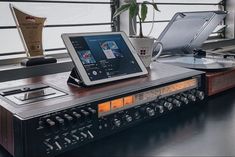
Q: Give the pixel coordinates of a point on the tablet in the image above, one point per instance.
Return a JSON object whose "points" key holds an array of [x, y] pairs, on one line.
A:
{"points": [[103, 57]]}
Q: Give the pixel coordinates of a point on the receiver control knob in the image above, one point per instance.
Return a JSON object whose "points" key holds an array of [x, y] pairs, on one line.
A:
{"points": [[159, 109], [150, 112], [50, 122], [192, 97], [184, 100], [83, 134], [177, 103], [77, 115], [67, 140], [91, 110], [59, 120], [137, 115], [168, 105], [68, 117], [75, 137], [90, 134], [117, 122], [128, 118], [49, 146], [200, 95], [58, 145], [85, 113], [170, 99]]}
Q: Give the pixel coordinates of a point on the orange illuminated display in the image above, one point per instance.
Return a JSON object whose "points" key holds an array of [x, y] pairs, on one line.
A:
{"points": [[129, 100], [104, 107], [118, 103]]}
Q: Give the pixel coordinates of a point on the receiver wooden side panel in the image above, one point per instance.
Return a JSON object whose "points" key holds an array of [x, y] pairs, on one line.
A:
{"points": [[220, 81], [6, 130]]}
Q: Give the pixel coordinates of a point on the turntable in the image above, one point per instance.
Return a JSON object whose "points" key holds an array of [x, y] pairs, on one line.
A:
{"points": [[207, 63], [183, 38]]}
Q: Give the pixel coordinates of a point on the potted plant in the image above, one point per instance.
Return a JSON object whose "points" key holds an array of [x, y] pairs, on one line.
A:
{"points": [[136, 11], [142, 44]]}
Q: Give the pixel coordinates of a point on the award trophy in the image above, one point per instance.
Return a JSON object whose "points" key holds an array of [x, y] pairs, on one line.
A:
{"points": [[30, 30]]}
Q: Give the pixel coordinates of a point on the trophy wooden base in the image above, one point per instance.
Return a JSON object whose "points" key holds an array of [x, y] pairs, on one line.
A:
{"points": [[220, 81], [38, 61]]}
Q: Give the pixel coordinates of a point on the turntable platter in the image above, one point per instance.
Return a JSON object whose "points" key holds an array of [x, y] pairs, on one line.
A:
{"points": [[200, 63]]}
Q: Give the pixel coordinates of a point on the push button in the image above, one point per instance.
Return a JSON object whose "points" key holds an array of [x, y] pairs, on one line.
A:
{"points": [[77, 115], [59, 120], [85, 113], [68, 117], [50, 122], [91, 110]]}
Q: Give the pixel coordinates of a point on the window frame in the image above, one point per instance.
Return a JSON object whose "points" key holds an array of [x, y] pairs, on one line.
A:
{"points": [[121, 23]]}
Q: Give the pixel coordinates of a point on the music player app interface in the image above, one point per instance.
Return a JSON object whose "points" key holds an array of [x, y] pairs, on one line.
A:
{"points": [[105, 56]]}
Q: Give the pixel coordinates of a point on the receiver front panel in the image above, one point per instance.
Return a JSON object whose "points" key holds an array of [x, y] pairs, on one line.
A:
{"points": [[62, 130]]}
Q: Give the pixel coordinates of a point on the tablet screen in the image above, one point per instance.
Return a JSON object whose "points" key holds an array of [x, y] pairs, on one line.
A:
{"points": [[105, 56]]}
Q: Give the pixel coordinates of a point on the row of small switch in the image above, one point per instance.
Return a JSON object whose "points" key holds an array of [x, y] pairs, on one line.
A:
{"points": [[74, 116], [58, 145]]}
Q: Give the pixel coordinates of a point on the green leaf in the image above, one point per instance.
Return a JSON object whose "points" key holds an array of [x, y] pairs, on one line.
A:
{"points": [[121, 9], [134, 9], [144, 11], [153, 4], [155, 7]]}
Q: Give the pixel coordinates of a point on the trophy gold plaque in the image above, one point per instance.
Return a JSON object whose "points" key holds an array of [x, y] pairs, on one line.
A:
{"points": [[30, 29]]}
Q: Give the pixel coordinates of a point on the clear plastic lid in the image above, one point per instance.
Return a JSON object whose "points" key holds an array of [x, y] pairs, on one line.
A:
{"points": [[189, 30]]}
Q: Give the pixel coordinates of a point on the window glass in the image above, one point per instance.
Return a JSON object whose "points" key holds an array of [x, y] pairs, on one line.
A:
{"points": [[63, 16], [169, 7]]}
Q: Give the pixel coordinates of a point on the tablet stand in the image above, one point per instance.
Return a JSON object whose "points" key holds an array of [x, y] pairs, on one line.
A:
{"points": [[74, 78], [38, 61]]}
